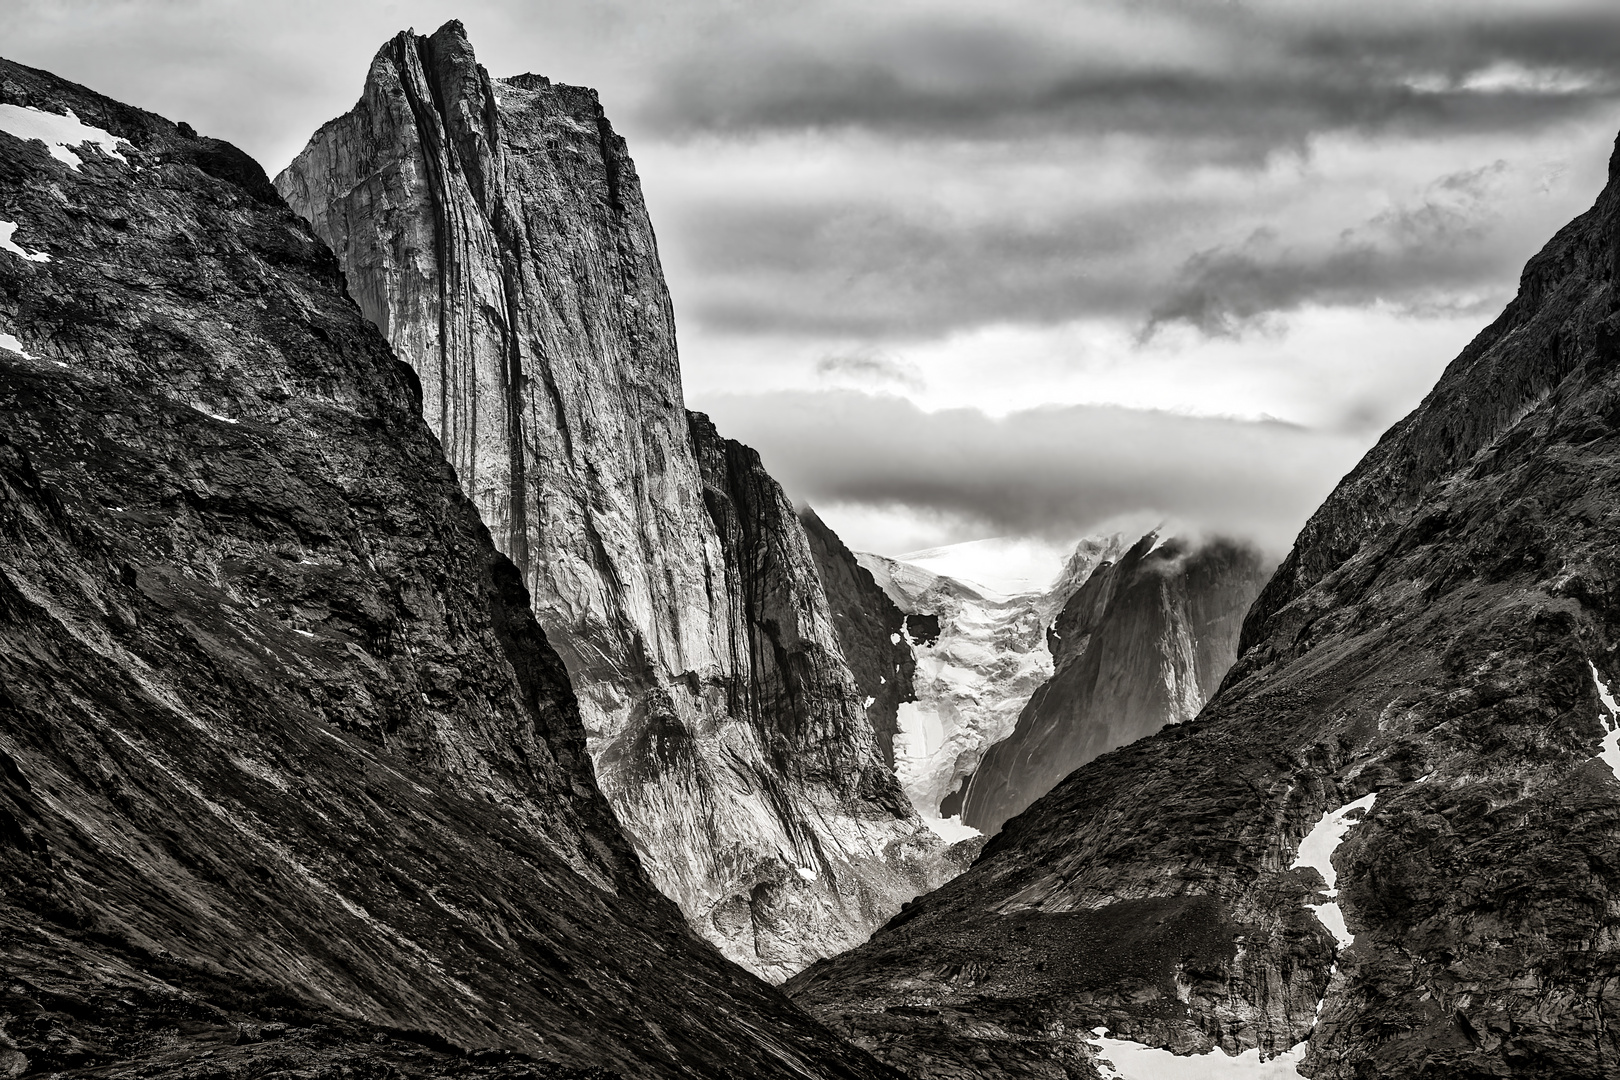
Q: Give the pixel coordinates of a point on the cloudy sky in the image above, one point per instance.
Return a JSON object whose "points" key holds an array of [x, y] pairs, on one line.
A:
{"points": [[1027, 267]]}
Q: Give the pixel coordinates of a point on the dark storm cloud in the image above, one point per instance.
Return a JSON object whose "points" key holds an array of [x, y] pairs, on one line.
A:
{"points": [[1052, 472], [1246, 84], [1421, 258], [876, 270]]}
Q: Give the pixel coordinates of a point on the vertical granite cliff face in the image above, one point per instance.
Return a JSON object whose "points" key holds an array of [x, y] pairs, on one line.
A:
{"points": [[871, 631], [284, 755], [1441, 650], [1143, 643], [494, 230]]}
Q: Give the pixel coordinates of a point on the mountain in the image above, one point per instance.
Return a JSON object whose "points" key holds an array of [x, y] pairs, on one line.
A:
{"points": [[1142, 643], [494, 231], [871, 631], [1386, 848], [290, 777], [979, 655]]}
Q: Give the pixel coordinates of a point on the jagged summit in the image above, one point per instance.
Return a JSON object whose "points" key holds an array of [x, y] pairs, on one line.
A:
{"points": [[1142, 643], [494, 230]]}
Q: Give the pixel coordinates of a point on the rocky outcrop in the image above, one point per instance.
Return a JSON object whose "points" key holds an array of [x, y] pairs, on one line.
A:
{"points": [[872, 631], [1143, 643], [1444, 638], [494, 230], [289, 774]]}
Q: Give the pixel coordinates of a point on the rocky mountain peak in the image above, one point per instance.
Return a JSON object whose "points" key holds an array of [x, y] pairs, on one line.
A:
{"points": [[494, 230], [292, 781]]}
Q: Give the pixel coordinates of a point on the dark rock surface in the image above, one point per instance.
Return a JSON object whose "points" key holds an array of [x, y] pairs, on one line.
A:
{"points": [[274, 712], [1143, 643], [1437, 638], [494, 230], [867, 622]]}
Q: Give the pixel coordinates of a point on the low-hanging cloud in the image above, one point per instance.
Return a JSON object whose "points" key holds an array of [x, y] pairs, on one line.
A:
{"points": [[1056, 473]]}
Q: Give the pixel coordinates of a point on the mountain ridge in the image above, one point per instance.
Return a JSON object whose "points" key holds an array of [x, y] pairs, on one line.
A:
{"points": [[495, 231], [283, 743], [1443, 637]]}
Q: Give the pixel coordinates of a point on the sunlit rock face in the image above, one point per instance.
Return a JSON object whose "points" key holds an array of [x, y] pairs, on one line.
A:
{"points": [[494, 230], [291, 781], [1143, 643], [1444, 636]]}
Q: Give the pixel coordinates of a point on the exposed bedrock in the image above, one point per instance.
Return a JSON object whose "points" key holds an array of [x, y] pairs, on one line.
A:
{"points": [[1143, 643]]}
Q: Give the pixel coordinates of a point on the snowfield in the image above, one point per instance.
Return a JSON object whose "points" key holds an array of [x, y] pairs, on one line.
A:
{"points": [[1610, 754], [59, 133], [1316, 851], [1123, 1060]]}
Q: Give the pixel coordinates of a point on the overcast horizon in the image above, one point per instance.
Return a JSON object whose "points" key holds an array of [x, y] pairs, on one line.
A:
{"points": [[1027, 269]]}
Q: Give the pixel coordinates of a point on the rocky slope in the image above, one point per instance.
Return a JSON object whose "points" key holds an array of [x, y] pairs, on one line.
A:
{"points": [[494, 230], [1144, 642], [871, 631], [1441, 647], [284, 755]]}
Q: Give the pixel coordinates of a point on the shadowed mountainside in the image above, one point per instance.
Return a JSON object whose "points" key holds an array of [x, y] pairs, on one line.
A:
{"points": [[280, 738], [1143, 643], [1440, 638]]}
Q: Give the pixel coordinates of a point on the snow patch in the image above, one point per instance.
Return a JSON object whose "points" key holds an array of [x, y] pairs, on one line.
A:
{"points": [[215, 416], [1610, 754], [7, 230], [807, 873], [894, 639], [1121, 1059], [11, 344], [1316, 851], [58, 133], [921, 731], [951, 830], [868, 703]]}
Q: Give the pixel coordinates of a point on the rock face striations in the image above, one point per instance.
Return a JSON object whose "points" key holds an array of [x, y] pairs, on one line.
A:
{"points": [[1441, 650], [494, 230], [1143, 643], [286, 764]]}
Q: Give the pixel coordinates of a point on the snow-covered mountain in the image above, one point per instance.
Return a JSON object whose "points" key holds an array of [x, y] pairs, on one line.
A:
{"points": [[977, 618]]}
